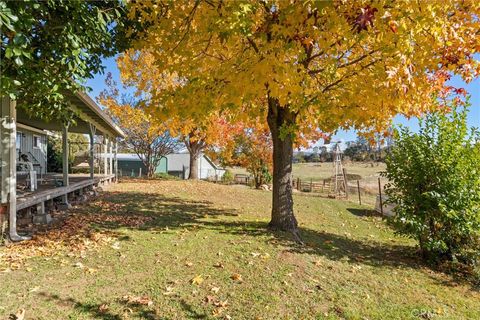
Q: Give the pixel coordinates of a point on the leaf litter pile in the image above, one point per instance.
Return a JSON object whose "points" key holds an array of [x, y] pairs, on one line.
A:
{"points": [[74, 237]]}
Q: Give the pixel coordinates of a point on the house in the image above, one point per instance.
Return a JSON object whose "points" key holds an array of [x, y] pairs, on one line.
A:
{"points": [[176, 164], [27, 188]]}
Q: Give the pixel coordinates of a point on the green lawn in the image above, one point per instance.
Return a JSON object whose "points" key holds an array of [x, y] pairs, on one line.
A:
{"points": [[196, 250]]}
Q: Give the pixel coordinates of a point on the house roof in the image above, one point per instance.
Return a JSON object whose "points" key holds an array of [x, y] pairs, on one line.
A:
{"points": [[88, 112]]}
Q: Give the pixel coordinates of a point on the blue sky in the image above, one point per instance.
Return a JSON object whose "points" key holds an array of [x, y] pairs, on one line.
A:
{"points": [[97, 84]]}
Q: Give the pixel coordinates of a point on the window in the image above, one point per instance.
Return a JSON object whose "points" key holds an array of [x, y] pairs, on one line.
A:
{"points": [[19, 140], [37, 142]]}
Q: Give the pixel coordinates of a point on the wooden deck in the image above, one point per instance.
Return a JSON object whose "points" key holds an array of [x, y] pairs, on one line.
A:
{"points": [[47, 189]]}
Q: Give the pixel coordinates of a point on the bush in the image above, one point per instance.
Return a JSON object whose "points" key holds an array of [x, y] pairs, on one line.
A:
{"points": [[164, 176], [263, 177], [227, 176], [435, 184]]}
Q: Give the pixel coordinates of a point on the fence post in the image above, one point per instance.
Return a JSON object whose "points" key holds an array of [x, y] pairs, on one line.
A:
{"points": [[380, 193], [323, 185], [140, 172], [359, 196], [298, 184], [346, 182], [311, 185]]}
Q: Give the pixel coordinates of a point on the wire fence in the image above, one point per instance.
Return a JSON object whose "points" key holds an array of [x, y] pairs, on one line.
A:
{"points": [[363, 192]]}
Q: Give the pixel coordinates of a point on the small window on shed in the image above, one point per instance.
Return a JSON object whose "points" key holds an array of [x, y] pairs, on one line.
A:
{"points": [[37, 142]]}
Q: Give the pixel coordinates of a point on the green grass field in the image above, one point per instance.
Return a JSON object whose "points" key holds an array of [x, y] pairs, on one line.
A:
{"points": [[197, 250], [317, 171]]}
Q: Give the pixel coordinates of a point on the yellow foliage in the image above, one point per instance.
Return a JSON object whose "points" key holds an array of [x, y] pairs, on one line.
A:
{"points": [[335, 64]]}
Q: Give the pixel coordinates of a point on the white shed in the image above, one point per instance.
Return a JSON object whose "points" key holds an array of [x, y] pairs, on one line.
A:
{"points": [[176, 164], [179, 164]]}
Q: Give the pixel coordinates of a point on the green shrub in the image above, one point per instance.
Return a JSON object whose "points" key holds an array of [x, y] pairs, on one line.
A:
{"points": [[164, 176], [435, 184], [227, 176]]}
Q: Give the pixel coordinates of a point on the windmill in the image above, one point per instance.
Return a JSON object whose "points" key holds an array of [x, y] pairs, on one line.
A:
{"points": [[339, 183]]}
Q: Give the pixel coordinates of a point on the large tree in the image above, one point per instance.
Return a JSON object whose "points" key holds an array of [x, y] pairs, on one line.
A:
{"points": [[319, 64], [197, 131], [150, 139], [250, 147], [49, 47]]}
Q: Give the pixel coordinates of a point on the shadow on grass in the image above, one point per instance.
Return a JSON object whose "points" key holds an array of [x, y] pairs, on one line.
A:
{"points": [[102, 310], [363, 212], [124, 310], [174, 212]]}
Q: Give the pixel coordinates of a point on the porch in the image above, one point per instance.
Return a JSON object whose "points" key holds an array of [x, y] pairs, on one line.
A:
{"points": [[52, 188], [27, 190]]}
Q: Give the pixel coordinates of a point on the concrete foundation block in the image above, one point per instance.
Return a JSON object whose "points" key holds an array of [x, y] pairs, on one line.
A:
{"points": [[42, 218], [64, 206], [82, 198]]}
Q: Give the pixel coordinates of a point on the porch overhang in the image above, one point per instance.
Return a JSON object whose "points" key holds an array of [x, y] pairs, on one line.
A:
{"points": [[87, 112]]}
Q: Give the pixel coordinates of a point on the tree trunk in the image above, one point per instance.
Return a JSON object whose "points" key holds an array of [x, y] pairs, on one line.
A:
{"points": [[193, 174], [150, 170], [195, 149], [282, 205]]}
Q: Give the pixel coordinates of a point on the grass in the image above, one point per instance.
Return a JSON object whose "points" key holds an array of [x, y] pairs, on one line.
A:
{"points": [[163, 235], [317, 171]]}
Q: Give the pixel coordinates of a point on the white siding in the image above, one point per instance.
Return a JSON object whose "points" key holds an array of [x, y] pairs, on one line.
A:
{"points": [[207, 170], [177, 161], [38, 156]]}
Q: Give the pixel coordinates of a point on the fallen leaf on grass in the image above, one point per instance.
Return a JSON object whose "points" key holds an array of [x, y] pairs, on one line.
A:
{"points": [[219, 265], [221, 304], [215, 289], [91, 271], [188, 264], [115, 245], [197, 280], [168, 291], [144, 301], [34, 289], [20, 315], [103, 308], [236, 277], [79, 265], [217, 312]]}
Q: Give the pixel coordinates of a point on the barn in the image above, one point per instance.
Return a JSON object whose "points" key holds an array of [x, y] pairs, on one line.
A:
{"points": [[176, 164]]}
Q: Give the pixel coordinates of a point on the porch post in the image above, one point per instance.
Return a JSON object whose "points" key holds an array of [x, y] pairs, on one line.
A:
{"points": [[66, 181], [8, 135], [92, 145], [116, 160], [105, 153], [110, 157]]}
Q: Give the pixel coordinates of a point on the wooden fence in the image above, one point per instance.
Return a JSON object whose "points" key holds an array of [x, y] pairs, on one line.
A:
{"points": [[355, 190]]}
